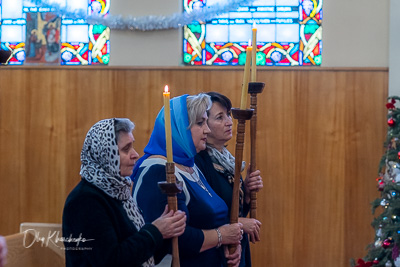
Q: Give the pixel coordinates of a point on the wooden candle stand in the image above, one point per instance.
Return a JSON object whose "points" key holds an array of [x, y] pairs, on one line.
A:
{"points": [[171, 187], [241, 115], [254, 89]]}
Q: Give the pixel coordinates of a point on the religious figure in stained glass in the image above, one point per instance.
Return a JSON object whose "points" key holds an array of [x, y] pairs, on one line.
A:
{"points": [[42, 38]]}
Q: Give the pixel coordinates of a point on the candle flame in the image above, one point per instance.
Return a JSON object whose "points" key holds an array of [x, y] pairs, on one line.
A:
{"points": [[254, 24], [249, 42], [166, 90]]}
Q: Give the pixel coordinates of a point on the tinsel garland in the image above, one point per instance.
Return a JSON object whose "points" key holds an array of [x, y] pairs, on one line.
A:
{"points": [[147, 23]]}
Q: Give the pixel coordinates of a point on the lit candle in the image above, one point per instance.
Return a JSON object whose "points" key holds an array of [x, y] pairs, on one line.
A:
{"points": [[245, 85], [254, 54], [167, 119]]}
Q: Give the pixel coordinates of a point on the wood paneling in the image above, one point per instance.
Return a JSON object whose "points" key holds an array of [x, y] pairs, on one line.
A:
{"points": [[320, 140]]}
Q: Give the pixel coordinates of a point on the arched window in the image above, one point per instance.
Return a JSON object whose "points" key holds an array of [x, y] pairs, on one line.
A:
{"points": [[289, 33], [37, 35]]}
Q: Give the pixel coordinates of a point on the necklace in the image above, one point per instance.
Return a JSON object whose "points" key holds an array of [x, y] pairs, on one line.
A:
{"points": [[193, 173]]}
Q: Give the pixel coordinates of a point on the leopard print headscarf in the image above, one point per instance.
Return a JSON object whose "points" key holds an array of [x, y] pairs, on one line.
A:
{"points": [[100, 167]]}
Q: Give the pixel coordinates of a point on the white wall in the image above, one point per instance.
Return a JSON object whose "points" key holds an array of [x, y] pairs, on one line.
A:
{"points": [[394, 41], [150, 48], [355, 34]]}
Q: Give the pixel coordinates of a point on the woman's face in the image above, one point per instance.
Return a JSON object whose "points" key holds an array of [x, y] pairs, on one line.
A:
{"points": [[220, 123], [127, 153], [199, 132]]}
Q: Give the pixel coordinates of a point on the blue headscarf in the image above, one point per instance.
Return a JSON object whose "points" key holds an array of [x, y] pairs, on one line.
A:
{"points": [[182, 142]]}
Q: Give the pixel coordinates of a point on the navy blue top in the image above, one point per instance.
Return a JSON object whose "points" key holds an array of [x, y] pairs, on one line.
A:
{"points": [[219, 182], [204, 210]]}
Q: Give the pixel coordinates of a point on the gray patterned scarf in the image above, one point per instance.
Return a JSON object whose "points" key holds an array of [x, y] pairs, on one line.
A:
{"points": [[224, 158], [100, 167], [224, 162]]}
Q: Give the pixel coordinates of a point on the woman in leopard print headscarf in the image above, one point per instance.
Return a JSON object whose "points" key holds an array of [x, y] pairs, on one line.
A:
{"points": [[102, 224]]}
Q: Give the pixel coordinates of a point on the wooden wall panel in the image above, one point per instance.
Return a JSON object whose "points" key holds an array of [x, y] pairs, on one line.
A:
{"points": [[320, 140]]}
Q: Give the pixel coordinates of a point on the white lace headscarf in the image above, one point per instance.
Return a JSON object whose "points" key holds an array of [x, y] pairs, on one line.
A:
{"points": [[101, 167]]}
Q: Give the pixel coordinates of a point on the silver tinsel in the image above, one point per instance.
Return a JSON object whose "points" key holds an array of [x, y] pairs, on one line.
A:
{"points": [[147, 23], [379, 232], [378, 243]]}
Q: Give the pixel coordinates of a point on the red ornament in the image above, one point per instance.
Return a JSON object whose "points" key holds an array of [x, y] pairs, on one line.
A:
{"points": [[386, 243], [375, 261], [390, 105], [391, 122], [398, 154], [381, 185], [362, 263]]}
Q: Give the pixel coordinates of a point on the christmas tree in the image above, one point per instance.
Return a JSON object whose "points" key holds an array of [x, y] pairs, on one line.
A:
{"points": [[384, 251]]}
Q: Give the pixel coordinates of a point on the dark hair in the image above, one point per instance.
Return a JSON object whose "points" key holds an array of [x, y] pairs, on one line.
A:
{"points": [[220, 98]]}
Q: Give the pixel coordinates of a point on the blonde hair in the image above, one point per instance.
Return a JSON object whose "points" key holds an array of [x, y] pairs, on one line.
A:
{"points": [[196, 106]]}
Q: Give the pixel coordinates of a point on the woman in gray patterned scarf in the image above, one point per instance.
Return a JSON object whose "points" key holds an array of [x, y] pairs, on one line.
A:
{"points": [[218, 166], [102, 225]]}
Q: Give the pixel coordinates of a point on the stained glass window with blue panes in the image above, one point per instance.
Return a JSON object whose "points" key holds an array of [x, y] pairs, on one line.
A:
{"points": [[38, 35], [289, 33]]}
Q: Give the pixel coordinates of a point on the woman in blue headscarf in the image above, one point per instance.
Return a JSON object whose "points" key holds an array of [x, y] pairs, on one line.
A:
{"points": [[207, 227]]}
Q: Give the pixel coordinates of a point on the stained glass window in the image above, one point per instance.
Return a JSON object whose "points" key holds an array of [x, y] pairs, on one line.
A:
{"points": [[289, 33], [38, 35]]}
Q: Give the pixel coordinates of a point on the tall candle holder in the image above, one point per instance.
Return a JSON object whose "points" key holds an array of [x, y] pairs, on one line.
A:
{"points": [[171, 187], [254, 89], [241, 115]]}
